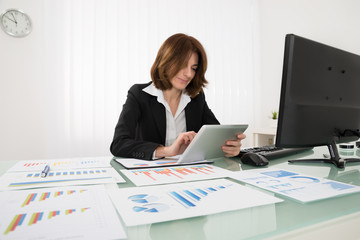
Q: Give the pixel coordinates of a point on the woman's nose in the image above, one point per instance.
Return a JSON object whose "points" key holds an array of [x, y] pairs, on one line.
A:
{"points": [[187, 72]]}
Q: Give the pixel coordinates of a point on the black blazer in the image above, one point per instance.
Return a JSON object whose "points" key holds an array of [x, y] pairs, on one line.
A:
{"points": [[142, 123]]}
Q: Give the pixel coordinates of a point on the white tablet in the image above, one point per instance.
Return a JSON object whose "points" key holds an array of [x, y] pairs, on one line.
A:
{"points": [[207, 143]]}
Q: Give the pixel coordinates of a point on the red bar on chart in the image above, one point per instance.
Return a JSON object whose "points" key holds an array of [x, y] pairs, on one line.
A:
{"points": [[53, 214]]}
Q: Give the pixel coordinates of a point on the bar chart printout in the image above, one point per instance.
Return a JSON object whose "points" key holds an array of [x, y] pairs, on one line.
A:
{"points": [[80, 212], [61, 164], [151, 204], [152, 176], [23, 180]]}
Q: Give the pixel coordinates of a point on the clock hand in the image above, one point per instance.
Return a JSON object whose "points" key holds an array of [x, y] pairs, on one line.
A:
{"points": [[10, 19], [14, 18]]}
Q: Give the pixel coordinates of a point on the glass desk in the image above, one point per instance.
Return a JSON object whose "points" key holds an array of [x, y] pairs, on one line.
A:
{"points": [[285, 220]]}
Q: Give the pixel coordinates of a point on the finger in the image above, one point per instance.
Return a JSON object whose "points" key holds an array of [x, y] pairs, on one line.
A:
{"points": [[233, 143], [241, 136], [191, 137], [188, 138], [191, 134], [230, 151]]}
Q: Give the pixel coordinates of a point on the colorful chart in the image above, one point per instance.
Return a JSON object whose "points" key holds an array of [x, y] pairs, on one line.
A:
{"points": [[159, 203], [74, 212], [305, 179], [46, 195], [279, 173], [174, 174], [34, 164], [35, 218], [152, 208], [294, 185], [17, 221], [70, 211], [60, 164], [143, 198], [21, 180], [179, 172], [186, 197], [30, 198], [24, 220], [53, 214], [66, 173], [58, 193]]}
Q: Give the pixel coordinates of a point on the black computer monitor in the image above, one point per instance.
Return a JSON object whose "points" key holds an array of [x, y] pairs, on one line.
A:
{"points": [[320, 98]]}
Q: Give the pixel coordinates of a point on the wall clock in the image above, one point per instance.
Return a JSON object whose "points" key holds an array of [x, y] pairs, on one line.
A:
{"points": [[15, 23]]}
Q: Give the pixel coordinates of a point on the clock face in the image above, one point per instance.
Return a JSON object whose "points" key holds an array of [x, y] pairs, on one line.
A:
{"points": [[15, 23]]}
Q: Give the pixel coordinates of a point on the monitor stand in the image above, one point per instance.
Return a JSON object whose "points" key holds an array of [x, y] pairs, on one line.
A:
{"points": [[334, 158]]}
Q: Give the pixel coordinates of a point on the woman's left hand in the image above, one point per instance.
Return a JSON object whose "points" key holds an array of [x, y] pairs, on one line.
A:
{"points": [[232, 147]]}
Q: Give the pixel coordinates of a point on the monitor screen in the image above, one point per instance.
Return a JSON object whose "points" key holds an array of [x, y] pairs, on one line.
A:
{"points": [[320, 97]]}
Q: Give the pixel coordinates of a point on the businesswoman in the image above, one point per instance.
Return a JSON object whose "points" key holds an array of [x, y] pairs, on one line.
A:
{"points": [[160, 118]]}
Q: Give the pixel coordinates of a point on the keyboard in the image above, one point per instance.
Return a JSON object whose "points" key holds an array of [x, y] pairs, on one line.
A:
{"points": [[272, 152]]}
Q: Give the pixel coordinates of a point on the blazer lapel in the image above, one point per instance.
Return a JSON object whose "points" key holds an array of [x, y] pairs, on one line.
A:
{"points": [[159, 115], [193, 122]]}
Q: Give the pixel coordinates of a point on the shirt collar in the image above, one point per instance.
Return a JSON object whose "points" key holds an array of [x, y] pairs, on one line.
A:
{"points": [[152, 90]]}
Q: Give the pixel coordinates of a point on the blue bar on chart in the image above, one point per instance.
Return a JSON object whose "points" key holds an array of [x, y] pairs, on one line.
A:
{"points": [[182, 200], [188, 198]]}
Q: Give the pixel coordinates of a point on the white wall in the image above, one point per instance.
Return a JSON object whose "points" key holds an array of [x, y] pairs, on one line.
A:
{"points": [[63, 86], [332, 22], [50, 101]]}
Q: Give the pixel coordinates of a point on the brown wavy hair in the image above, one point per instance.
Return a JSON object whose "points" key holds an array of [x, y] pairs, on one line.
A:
{"points": [[173, 56]]}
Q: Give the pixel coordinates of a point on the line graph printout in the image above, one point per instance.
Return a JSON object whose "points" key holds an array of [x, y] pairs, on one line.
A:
{"points": [[151, 204], [151, 176], [80, 212], [294, 185], [61, 164], [23, 180]]}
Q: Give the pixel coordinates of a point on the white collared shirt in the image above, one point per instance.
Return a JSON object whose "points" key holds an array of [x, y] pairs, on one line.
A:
{"points": [[174, 124]]}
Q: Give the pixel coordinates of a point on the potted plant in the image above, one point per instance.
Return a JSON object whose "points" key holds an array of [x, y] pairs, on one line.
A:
{"points": [[274, 118], [274, 115]]}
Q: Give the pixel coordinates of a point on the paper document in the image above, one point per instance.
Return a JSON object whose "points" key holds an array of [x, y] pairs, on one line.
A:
{"points": [[84, 212], [132, 163], [151, 176], [33, 179], [151, 204], [294, 185], [61, 164]]}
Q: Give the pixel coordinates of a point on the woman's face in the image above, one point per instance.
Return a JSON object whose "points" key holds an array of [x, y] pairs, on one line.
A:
{"points": [[185, 75]]}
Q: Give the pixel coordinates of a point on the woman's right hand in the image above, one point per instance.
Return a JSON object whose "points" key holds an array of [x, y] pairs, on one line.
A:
{"points": [[178, 147]]}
